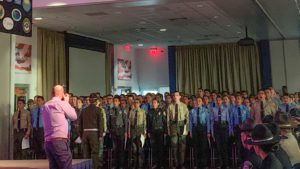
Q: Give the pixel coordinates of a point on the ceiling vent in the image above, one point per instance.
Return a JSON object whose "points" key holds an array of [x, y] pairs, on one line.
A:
{"points": [[96, 14], [178, 19]]}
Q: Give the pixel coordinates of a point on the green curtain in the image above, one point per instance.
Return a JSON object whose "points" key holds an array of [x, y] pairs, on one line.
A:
{"points": [[109, 59], [51, 62], [218, 67]]}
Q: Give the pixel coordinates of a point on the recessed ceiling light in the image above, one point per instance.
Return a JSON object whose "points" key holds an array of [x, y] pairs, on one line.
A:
{"points": [[228, 25], [216, 17], [238, 32], [163, 30], [142, 22], [200, 6], [140, 45], [118, 12], [38, 18], [52, 4]]}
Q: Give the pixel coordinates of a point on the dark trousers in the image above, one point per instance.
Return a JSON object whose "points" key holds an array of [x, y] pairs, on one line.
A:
{"points": [[38, 143], [137, 152], [157, 145], [90, 142], [59, 154], [200, 146], [238, 143], [75, 147], [221, 138], [118, 149], [19, 154]]}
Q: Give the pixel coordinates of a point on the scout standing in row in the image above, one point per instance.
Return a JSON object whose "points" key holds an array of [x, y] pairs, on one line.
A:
{"points": [[178, 125]]}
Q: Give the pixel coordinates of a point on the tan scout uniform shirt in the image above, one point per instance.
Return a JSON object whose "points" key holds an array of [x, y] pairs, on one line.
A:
{"points": [[25, 120], [182, 118], [137, 123]]}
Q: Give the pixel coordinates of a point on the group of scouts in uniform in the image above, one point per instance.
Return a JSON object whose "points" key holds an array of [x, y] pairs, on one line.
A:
{"points": [[202, 131], [28, 125]]}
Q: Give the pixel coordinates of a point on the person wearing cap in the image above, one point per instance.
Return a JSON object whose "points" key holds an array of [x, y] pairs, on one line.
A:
{"points": [[137, 133], [91, 131], [289, 144], [220, 130], [286, 104], [200, 132], [249, 157], [264, 143], [278, 151]]}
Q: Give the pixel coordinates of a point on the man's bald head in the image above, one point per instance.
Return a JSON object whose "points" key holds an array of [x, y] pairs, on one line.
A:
{"points": [[58, 91]]}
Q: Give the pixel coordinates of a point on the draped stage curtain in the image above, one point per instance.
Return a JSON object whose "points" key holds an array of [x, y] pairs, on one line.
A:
{"points": [[218, 67], [51, 61], [109, 70]]}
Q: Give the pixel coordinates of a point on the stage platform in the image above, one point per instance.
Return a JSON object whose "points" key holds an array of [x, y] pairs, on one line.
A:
{"points": [[42, 164]]}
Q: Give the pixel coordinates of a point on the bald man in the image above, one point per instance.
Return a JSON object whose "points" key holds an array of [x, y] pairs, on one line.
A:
{"points": [[56, 114]]}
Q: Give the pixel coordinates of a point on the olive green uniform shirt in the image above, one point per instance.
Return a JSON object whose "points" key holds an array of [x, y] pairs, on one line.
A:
{"points": [[137, 121]]}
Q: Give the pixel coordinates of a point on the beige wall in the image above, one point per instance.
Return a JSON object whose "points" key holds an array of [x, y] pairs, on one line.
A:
{"points": [[152, 71], [285, 60], [120, 52], [9, 78], [5, 84], [29, 78]]}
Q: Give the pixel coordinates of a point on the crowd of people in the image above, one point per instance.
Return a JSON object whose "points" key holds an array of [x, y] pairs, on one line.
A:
{"points": [[206, 130]]}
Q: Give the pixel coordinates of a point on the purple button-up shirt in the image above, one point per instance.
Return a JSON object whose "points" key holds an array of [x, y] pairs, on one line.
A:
{"points": [[55, 118]]}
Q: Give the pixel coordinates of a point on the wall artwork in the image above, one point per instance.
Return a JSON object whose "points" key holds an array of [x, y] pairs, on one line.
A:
{"points": [[16, 17], [21, 92], [124, 69], [124, 90], [23, 58]]}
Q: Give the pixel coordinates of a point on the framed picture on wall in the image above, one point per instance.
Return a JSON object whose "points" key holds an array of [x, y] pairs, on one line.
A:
{"points": [[23, 58], [124, 69], [124, 90], [21, 92]]}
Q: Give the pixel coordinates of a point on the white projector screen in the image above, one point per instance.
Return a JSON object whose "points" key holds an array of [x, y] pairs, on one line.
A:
{"points": [[86, 71]]}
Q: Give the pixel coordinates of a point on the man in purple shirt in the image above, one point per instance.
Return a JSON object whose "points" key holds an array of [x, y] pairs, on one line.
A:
{"points": [[56, 114]]}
